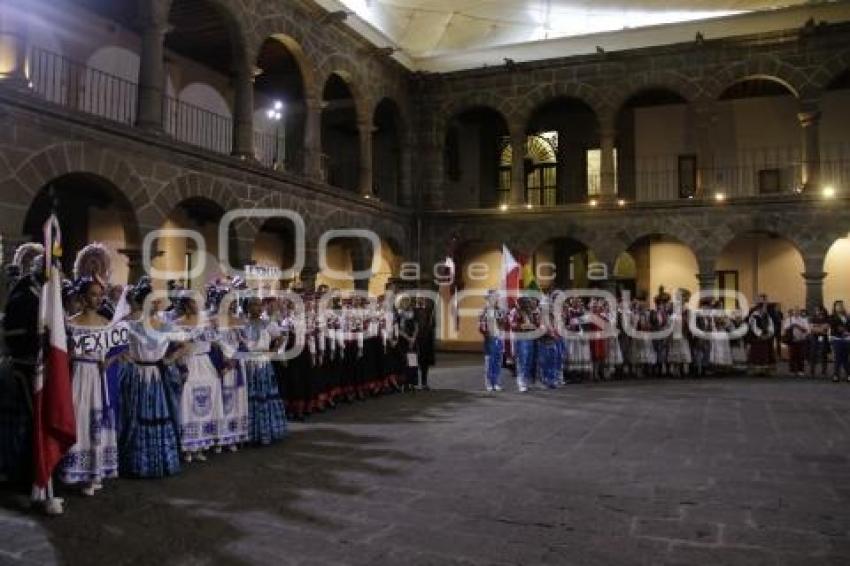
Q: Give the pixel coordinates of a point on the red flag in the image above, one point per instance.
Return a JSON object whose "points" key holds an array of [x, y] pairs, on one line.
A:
{"points": [[511, 275], [54, 426]]}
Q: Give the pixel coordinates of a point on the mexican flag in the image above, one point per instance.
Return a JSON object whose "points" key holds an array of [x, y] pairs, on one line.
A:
{"points": [[54, 426], [511, 275]]}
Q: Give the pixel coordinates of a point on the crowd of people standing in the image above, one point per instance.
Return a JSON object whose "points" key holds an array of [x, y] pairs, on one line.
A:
{"points": [[194, 377], [549, 340]]}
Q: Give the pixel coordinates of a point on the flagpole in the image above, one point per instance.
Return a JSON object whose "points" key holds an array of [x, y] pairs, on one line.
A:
{"points": [[52, 505]]}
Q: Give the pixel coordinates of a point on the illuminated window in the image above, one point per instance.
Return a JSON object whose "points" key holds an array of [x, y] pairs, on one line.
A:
{"points": [[540, 166], [594, 172]]}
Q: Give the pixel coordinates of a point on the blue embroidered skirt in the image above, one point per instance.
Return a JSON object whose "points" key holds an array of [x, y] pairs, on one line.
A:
{"points": [[266, 415], [148, 444]]}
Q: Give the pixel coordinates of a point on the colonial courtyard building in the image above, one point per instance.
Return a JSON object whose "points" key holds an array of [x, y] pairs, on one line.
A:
{"points": [[707, 154]]}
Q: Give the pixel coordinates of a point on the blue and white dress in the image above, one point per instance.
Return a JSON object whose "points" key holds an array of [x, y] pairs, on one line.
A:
{"points": [[94, 457], [234, 391], [578, 346], [201, 410], [149, 424], [266, 415]]}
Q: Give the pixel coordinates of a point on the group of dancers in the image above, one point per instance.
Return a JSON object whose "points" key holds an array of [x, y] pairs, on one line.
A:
{"points": [[162, 381], [548, 340]]}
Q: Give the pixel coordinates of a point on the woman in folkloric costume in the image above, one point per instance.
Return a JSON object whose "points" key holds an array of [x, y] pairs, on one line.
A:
{"points": [[201, 411], [762, 356], [523, 326], [720, 355], [643, 351], [234, 392], [296, 372], [94, 457], [595, 326], [579, 361], [149, 440], [549, 359], [266, 415], [678, 347], [738, 342], [613, 353]]}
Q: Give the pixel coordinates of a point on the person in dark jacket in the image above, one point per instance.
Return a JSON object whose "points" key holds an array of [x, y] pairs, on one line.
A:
{"points": [[839, 329], [426, 323]]}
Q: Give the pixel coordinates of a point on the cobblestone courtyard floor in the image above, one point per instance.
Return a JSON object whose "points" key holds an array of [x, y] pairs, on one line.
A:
{"points": [[720, 471]]}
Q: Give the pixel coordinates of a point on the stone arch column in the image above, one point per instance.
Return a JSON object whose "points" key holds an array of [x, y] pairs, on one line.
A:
{"points": [[366, 128], [707, 263], [702, 117], [361, 260], [313, 138], [809, 115], [154, 23], [243, 111], [813, 277]]}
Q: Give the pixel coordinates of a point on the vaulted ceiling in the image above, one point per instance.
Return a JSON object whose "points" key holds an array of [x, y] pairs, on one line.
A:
{"points": [[442, 29]]}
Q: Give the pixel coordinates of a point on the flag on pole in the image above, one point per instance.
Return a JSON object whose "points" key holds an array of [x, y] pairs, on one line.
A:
{"points": [[528, 279], [54, 426], [453, 291], [511, 275]]}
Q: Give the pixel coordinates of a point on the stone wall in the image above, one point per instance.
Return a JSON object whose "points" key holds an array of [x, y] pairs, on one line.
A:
{"points": [[805, 60], [811, 224], [39, 144]]}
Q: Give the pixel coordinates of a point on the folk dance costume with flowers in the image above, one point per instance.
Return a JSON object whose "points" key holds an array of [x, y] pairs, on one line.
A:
{"points": [[201, 410], [642, 348], [266, 415], [94, 457], [720, 355], [678, 348], [149, 440], [613, 353], [234, 391], [578, 345], [762, 356]]}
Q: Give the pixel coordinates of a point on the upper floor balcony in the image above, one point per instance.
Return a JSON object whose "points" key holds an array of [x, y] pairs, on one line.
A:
{"points": [[190, 75]]}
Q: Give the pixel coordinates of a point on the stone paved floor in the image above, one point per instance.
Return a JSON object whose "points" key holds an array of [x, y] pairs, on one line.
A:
{"points": [[722, 471]]}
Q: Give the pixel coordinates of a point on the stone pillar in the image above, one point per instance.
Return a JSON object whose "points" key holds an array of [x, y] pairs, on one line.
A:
{"points": [[814, 289], [518, 147], [405, 185], [810, 160], [430, 192], [243, 112], [703, 117], [607, 168], [13, 48], [706, 280], [366, 128], [154, 20], [310, 270], [313, 139]]}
